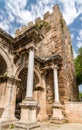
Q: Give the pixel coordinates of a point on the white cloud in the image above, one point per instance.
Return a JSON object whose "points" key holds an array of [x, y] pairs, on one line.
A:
{"points": [[80, 34], [41, 7], [16, 11], [71, 9], [11, 17], [79, 38], [80, 88], [4, 25], [79, 44], [81, 18], [74, 53], [72, 36]]}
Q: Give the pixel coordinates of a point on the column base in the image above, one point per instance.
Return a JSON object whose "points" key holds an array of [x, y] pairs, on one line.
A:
{"points": [[28, 115], [57, 116], [28, 110], [22, 125]]}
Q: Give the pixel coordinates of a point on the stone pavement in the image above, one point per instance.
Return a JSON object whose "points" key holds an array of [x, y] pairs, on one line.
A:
{"points": [[67, 126]]}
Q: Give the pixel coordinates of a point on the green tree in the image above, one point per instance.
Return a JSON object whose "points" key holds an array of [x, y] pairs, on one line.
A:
{"points": [[80, 96], [78, 67]]}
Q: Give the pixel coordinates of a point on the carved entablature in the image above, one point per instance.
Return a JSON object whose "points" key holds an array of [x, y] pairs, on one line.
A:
{"points": [[49, 62], [24, 42], [31, 35]]}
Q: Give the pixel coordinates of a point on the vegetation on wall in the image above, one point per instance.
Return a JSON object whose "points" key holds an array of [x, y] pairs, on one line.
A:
{"points": [[62, 23], [42, 25]]}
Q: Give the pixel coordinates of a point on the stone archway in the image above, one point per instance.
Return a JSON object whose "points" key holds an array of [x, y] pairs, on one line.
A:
{"points": [[21, 89], [6, 73], [8, 60], [5, 69]]}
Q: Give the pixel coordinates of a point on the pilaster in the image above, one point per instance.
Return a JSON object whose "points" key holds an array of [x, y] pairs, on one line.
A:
{"points": [[9, 110], [42, 114]]}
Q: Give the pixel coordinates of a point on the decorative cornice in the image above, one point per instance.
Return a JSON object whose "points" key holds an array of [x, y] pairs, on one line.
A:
{"points": [[6, 36], [47, 59]]}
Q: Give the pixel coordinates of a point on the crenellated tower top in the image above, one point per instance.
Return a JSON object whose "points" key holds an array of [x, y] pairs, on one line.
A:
{"points": [[47, 17]]}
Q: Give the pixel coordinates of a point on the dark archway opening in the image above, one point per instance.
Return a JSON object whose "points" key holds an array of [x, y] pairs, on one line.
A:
{"points": [[3, 66], [21, 90]]}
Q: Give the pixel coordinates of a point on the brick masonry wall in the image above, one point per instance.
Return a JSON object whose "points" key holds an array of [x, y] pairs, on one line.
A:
{"points": [[73, 112]]}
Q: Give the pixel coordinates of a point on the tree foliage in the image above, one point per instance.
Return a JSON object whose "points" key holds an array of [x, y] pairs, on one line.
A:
{"points": [[80, 96], [78, 67]]}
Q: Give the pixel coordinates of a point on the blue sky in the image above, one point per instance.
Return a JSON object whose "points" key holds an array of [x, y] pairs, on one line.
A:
{"points": [[15, 13]]}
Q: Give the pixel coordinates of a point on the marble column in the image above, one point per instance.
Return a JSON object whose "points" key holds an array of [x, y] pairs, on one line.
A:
{"points": [[29, 91], [57, 116], [56, 89], [28, 105]]}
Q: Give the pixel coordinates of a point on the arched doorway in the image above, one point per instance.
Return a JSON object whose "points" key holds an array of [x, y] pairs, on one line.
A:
{"points": [[21, 90], [6, 84]]}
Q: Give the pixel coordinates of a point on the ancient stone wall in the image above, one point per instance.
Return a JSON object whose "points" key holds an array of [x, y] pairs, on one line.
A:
{"points": [[68, 62], [73, 112]]}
